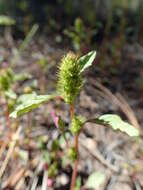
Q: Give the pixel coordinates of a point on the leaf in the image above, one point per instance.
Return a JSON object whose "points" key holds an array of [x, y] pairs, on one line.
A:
{"points": [[22, 76], [6, 79], [87, 60], [7, 21], [28, 38], [28, 102], [95, 180], [117, 123], [78, 183], [10, 94], [23, 154]]}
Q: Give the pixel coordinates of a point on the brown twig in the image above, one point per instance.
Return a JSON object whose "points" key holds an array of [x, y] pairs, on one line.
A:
{"points": [[10, 151], [96, 154]]}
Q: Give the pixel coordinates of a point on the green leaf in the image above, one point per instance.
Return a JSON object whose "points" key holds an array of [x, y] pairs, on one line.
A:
{"points": [[23, 154], [28, 102], [22, 76], [10, 94], [7, 21], [78, 183], [117, 123], [87, 60], [6, 79], [95, 180], [28, 38]]}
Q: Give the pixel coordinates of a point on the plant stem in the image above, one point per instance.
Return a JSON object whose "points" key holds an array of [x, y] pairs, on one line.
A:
{"points": [[74, 173], [7, 118], [72, 111]]}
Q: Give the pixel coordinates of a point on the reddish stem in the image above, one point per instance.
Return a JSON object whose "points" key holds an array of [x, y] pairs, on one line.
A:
{"points": [[74, 173]]}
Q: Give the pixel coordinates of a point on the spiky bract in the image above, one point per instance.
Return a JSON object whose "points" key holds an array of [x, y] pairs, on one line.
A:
{"points": [[70, 80]]}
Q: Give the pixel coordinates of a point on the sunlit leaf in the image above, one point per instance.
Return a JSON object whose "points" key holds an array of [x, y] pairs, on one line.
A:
{"points": [[87, 60], [10, 94], [95, 180], [117, 123], [7, 21], [28, 102]]}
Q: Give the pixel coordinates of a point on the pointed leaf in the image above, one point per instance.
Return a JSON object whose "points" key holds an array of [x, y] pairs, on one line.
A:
{"points": [[87, 60], [95, 180], [28, 102], [117, 123]]}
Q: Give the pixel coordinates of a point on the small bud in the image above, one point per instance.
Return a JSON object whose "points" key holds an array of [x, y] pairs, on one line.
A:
{"points": [[72, 153], [77, 124]]}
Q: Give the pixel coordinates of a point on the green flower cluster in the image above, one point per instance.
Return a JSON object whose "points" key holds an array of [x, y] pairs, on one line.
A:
{"points": [[77, 124], [70, 80]]}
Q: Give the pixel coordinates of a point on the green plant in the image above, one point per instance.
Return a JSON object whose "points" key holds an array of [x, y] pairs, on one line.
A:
{"points": [[7, 80], [70, 83], [77, 34]]}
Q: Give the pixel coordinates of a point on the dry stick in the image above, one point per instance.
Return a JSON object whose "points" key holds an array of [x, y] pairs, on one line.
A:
{"points": [[44, 182], [120, 102], [2, 149], [20, 184], [10, 151], [14, 178], [74, 174], [130, 114], [35, 182], [96, 154]]}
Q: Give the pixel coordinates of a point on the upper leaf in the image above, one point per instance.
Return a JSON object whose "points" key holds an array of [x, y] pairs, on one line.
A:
{"points": [[117, 123], [28, 102], [87, 60]]}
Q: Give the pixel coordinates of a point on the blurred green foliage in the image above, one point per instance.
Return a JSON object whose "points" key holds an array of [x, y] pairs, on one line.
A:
{"points": [[57, 15]]}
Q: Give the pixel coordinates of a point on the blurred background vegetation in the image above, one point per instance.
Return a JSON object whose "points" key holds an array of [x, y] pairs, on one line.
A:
{"points": [[98, 16]]}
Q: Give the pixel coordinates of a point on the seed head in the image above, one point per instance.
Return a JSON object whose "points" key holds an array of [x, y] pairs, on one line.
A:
{"points": [[70, 80]]}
